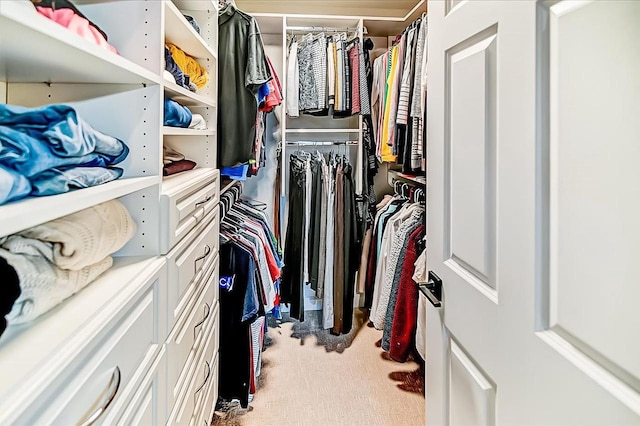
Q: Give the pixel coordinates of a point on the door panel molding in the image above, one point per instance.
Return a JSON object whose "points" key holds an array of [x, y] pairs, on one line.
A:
{"points": [[472, 394], [593, 369], [452, 5], [470, 198], [572, 301]]}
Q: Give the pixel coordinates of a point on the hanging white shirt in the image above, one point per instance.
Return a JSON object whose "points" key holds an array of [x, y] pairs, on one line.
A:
{"points": [[293, 82]]}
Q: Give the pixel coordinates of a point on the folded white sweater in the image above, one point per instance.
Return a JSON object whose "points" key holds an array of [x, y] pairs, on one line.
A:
{"points": [[78, 240], [44, 285]]}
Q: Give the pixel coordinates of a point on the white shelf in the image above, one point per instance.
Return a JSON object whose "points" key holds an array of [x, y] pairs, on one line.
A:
{"points": [[179, 32], [394, 174], [323, 131], [178, 182], [228, 185], [26, 349], [204, 5], [23, 214], [35, 49], [186, 97], [180, 131]]}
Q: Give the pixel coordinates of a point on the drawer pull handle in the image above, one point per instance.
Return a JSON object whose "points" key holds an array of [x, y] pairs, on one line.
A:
{"points": [[206, 200], [207, 252], [195, 328], [205, 380], [106, 398]]}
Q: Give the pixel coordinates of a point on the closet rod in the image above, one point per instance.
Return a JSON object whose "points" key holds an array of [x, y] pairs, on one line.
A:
{"points": [[322, 29], [324, 143]]}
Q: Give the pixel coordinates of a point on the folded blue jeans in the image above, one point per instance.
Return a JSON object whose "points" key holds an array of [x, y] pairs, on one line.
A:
{"points": [[176, 115], [33, 140], [13, 185], [58, 181]]}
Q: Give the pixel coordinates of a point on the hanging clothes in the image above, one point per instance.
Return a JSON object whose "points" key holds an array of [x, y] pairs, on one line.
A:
{"points": [[242, 70], [322, 243], [399, 102], [293, 81], [390, 291], [250, 270], [327, 76]]}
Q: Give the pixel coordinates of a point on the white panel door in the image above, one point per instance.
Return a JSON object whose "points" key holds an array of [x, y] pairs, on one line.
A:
{"points": [[534, 212]]}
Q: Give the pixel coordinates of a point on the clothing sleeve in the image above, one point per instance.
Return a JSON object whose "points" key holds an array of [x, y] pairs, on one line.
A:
{"points": [[257, 68]]}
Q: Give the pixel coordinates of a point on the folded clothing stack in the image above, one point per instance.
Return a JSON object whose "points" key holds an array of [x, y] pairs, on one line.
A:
{"points": [[52, 261], [176, 115], [175, 162], [187, 72], [50, 150], [63, 12]]}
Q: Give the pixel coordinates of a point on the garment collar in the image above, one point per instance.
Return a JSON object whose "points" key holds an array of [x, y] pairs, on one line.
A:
{"points": [[226, 14]]}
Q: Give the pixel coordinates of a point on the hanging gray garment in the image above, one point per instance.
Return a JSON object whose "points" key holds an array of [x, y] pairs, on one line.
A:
{"points": [[365, 101], [327, 304], [340, 85], [404, 98], [416, 108], [323, 226], [319, 64], [308, 88]]}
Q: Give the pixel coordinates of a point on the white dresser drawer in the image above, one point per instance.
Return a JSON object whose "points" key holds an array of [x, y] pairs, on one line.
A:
{"points": [[186, 339], [185, 200], [206, 405], [200, 373], [147, 405], [187, 263], [109, 368]]}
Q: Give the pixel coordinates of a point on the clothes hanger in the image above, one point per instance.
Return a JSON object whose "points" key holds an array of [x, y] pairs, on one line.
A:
{"points": [[254, 203]]}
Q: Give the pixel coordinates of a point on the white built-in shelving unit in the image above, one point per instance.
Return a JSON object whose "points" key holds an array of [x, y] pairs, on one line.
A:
{"points": [[138, 345], [276, 28]]}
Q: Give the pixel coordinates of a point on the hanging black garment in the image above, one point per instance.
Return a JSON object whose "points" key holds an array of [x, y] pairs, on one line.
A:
{"points": [[370, 168], [235, 334], [293, 272], [368, 46], [352, 248], [314, 231], [406, 160], [242, 69]]}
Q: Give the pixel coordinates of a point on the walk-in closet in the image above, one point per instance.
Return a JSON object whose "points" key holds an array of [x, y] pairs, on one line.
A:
{"points": [[337, 212]]}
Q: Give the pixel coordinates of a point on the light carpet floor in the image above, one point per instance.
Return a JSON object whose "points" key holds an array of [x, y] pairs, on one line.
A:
{"points": [[305, 381]]}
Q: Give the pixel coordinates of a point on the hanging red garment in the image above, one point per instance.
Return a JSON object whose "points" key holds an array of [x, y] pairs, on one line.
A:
{"points": [[274, 98], [405, 315]]}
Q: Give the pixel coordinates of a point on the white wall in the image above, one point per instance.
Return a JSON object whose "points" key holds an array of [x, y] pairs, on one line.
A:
{"points": [[3, 92], [261, 187]]}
